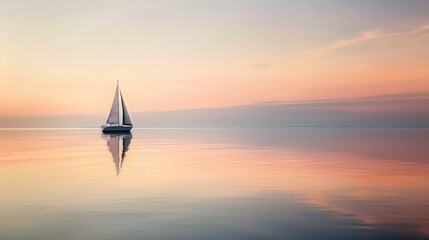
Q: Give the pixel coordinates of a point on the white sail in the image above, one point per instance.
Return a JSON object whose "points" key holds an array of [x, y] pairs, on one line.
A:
{"points": [[115, 111], [125, 114]]}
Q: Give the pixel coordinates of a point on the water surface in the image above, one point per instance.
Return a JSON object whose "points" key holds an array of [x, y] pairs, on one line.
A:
{"points": [[215, 183]]}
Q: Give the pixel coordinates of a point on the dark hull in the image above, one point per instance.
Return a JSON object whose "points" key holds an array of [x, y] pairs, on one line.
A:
{"points": [[117, 129]]}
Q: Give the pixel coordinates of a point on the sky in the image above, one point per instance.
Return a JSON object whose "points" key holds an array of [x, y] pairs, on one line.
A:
{"points": [[64, 57]]}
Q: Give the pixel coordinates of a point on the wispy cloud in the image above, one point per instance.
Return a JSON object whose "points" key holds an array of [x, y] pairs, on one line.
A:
{"points": [[364, 37]]}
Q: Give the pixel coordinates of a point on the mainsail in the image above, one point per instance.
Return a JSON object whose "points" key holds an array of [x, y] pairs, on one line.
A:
{"points": [[114, 111], [119, 113]]}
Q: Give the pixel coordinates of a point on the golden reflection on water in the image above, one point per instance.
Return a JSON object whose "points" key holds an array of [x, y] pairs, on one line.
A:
{"points": [[349, 173]]}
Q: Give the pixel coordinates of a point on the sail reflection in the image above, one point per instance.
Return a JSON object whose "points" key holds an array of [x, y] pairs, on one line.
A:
{"points": [[118, 144]]}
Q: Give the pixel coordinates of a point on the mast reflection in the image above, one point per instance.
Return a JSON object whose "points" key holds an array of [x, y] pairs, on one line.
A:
{"points": [[118, 144]]}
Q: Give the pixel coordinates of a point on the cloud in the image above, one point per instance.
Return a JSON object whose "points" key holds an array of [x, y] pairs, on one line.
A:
{"points": [[361, 38]]}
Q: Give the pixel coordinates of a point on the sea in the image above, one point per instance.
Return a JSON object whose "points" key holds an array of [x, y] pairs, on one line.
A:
{"points": [[238, 183]]}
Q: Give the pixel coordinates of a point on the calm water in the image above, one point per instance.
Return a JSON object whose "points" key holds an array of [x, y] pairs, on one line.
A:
{"points": [[218, 183]]}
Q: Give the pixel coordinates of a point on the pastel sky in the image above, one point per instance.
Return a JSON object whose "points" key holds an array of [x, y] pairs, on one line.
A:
{"points": [[64, 57]]}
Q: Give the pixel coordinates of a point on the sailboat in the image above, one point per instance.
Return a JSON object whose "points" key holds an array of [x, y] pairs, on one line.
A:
{"points": [[119, 119]]}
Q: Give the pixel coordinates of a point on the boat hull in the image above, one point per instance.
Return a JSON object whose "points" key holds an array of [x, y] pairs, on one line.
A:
{"points": [[117, 129]]}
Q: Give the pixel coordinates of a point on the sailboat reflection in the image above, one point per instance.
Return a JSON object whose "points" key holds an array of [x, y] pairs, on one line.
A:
{"points": [[118, 144]]}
